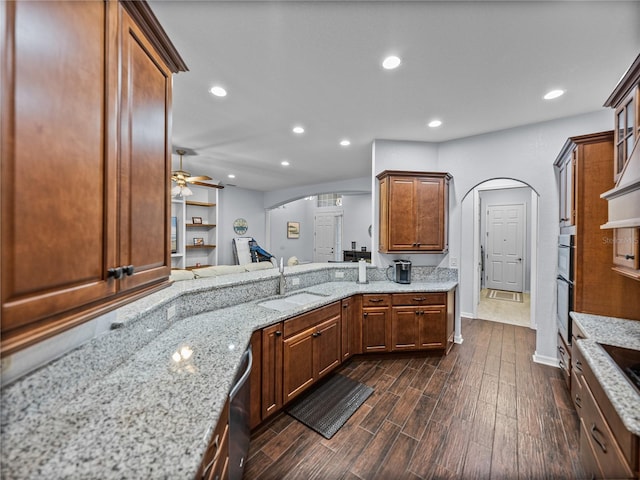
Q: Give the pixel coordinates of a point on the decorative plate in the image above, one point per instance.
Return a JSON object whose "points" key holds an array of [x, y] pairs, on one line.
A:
{"points": [[240, 226]]}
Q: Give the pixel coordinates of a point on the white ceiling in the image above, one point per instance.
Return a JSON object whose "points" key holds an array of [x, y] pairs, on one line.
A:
{"points": [[478, 66]]}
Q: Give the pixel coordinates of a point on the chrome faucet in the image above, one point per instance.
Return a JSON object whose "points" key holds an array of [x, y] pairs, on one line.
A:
{"points": [[282, 283]]}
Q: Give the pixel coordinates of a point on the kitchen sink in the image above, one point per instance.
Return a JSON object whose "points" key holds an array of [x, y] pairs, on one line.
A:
{"points": [[293, 301], [627, 360]]}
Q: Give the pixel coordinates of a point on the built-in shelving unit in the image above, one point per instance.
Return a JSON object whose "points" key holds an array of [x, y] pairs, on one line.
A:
{"points": [[196, 242]]}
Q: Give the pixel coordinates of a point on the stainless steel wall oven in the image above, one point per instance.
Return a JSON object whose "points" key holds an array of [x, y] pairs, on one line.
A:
{"points": [[564, 284]]}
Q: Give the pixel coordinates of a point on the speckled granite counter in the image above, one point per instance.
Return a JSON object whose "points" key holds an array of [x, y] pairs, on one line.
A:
{"points": [[152, 413], [622, 333]]}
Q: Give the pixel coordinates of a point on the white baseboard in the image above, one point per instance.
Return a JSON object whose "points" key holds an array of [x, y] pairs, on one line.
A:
{"points": [[544, 360], [458, 339], [467, 315]]}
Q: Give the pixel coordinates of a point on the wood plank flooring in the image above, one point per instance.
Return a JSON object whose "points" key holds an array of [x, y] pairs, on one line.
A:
{"points": [[485, 411]]}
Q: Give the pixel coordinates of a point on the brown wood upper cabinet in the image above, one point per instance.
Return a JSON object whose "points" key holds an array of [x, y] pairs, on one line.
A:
{"points": [[413, 211], [85, 163], [624, 198]]}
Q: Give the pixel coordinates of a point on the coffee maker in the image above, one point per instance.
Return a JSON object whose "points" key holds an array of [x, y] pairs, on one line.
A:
{"points": [[402, 271]]}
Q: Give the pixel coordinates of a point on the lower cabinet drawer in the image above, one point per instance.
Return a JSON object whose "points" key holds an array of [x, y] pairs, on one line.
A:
{"points": [[215, 464], [596, 431], [419, 299], [564, 359]]}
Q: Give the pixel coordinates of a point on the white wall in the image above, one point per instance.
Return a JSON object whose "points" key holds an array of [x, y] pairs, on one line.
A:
{"points": [[298, 211], [348, 186], [526, 154], [357, 218], [234, 202]]}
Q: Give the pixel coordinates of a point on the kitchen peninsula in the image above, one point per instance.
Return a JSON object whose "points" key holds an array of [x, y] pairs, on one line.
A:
{"points": [[142, 401]]}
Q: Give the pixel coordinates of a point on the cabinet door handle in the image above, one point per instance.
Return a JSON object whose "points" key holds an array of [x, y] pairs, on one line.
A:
{"points": [[115, 273], [278, 333], [315, 334], [561, 349], [128, 270], [365, 314], [578, 401], [629, 257], [594, 429], [345, 306]]}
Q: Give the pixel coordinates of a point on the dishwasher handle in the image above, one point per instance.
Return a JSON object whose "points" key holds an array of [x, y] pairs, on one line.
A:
{"points": [[245, 376]]}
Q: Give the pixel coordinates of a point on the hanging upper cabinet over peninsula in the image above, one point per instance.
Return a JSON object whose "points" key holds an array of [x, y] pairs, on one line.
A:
{"points": [[85, 125], [414, 208]]}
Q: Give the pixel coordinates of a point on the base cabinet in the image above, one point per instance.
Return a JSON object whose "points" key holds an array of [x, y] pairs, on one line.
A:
{"points": [[351, 327], [215, 464], [272, 345], [312, 348], [419, 321], [376, 323], [607, 449]]}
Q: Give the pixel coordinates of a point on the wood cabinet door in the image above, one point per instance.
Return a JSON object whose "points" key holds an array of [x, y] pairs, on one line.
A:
{"points": [[376, 330], [58, 154], [432, 323], [404, 328], [326, 347], [626, 248], [144, 159], [298, 364], [402, 214], [272, 365], [351, 326], [255, 381], [430, 218]]}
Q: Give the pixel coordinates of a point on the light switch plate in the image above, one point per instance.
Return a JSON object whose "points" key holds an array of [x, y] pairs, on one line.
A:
{"points": [[454, 261]]}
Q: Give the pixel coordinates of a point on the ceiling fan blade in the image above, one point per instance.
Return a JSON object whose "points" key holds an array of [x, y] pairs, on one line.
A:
{"points": [[198, 178]]}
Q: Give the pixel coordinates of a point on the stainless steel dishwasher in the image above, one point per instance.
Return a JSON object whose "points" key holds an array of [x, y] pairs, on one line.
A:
{"points": [[239, 431]]}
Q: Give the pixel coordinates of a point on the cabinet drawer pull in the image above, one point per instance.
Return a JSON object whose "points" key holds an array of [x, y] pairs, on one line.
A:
{"points": [[375, 300], [216, 443], [419, 299], [578, 401], [315, 334], [345, 305], [561, 349], [594, 429], [365, 314], [629, 257], [579, 365]]}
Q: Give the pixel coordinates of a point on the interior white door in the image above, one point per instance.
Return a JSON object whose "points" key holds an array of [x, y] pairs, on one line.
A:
{"points": [[505, 247], [325, 235]]}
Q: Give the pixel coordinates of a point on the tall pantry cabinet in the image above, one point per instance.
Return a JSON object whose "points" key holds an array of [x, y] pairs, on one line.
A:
{"points": [[85, 161]]}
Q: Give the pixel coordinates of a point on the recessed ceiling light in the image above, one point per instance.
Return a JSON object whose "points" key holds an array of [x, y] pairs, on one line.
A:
{"points": [[553, 94], [345, 142], [298, 129], [218, 91], [435, 123], [284, 163], [231, 175], [391, 62]]}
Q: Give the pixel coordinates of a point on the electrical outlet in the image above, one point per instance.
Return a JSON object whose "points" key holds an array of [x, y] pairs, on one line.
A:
{"points": [[454, 261], [6, 364], [339, 274], [171, 312], [295, 281]]}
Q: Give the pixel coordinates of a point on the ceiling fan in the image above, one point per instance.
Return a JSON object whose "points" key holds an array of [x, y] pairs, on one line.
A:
{"points": [[182, 177]]}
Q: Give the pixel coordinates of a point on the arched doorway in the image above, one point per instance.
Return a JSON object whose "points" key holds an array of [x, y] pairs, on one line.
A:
{"points": [[473, 263]]}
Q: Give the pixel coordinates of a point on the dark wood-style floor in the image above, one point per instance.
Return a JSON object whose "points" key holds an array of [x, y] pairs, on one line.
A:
{"points": [[485, 411]]}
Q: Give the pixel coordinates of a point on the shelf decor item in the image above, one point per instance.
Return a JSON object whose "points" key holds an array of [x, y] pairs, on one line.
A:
{"points": [[196, 220], [240, 226], [198, 242], [293, 229]]}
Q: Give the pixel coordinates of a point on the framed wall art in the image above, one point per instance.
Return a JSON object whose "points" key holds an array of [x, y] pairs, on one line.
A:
{"points": [[293, 229]]}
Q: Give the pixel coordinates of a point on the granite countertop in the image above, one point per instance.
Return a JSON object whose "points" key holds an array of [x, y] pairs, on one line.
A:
{"points": [[153, 415], [621, 333]]}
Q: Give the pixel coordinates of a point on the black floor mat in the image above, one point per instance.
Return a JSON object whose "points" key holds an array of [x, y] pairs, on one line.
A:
{"points": [[329, 406]]}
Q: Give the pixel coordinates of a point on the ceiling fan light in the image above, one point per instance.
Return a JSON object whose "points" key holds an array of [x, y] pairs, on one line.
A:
{"points": [[176, 190], [186, 191]]}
